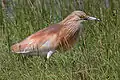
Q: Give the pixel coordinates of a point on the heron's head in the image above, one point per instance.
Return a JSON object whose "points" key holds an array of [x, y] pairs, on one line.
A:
{"points": [[82, 16], [78, 16]]}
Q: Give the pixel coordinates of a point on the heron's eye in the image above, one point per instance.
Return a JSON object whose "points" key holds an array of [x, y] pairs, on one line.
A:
{"points": [[82, 16]]}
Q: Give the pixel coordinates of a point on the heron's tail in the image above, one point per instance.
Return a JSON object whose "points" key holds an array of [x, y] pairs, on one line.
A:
{"points": [[15, 48]]}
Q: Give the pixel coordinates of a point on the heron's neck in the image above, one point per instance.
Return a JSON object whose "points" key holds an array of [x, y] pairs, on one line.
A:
{"points": [[70, 26]]}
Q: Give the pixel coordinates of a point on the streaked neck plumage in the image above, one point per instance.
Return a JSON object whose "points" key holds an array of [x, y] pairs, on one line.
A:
{"points": [[72, 23], [70, 30]]}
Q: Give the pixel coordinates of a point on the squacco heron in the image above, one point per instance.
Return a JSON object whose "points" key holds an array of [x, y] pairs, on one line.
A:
{"points": [[61, 35]]}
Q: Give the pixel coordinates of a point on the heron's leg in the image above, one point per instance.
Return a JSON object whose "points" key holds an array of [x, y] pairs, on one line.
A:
{"points": [[49, 54]]}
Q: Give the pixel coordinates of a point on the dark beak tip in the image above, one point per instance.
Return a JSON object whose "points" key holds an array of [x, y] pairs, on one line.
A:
{"points": [[98, 20]]}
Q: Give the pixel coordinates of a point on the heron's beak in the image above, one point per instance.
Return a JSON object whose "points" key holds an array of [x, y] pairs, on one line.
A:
{"points": [[91, 18]]}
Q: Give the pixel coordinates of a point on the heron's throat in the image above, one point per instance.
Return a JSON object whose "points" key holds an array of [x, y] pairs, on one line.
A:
{"points": [[71, 24], [69, 32]]}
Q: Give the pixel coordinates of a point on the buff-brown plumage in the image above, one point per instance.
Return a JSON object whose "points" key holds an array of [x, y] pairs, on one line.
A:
{"points": [[46, 41]]}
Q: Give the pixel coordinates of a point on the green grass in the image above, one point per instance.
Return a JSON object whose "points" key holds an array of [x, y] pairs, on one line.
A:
{"points": [[95, 57]]}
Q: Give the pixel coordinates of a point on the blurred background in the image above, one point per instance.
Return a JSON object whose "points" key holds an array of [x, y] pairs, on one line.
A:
{"points": [[96, 55]]}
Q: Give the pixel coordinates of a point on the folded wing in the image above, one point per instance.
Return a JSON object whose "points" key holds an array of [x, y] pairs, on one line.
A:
{"points": [[43, 40]]}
